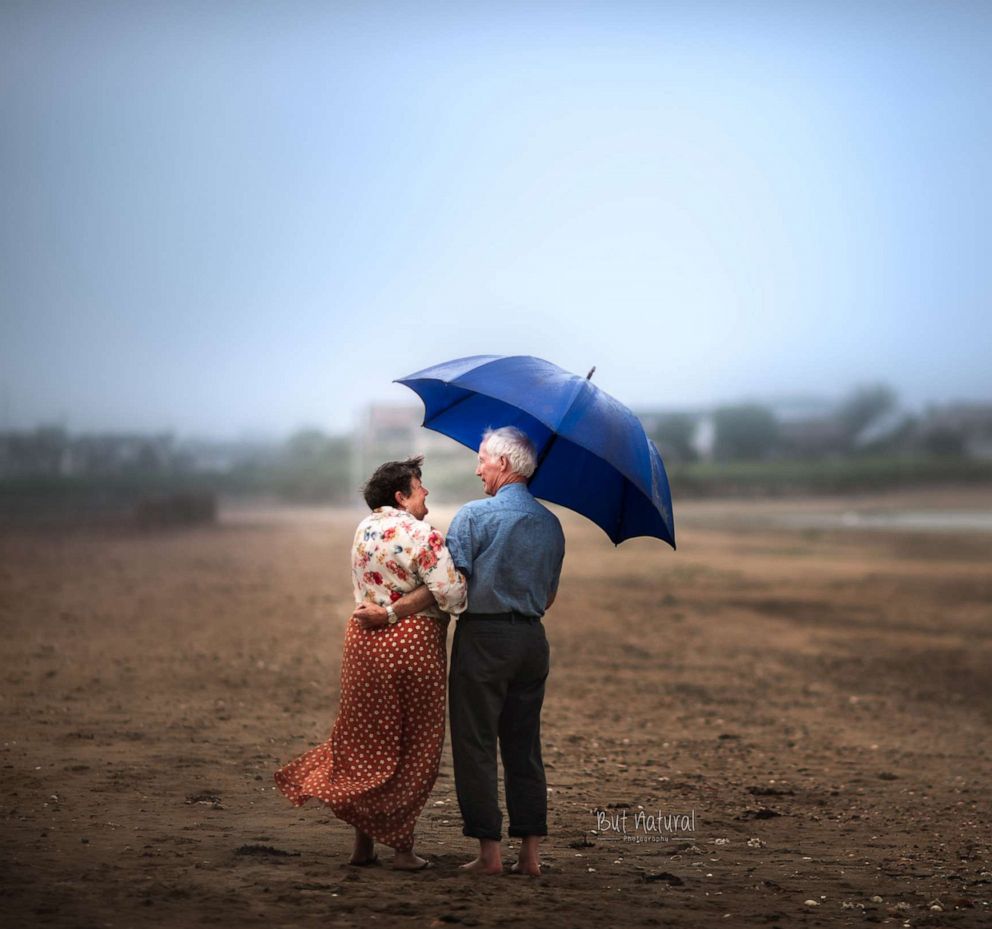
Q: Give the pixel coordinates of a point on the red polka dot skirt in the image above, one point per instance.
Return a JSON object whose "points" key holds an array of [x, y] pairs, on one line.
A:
{"points": [[380, 763]]}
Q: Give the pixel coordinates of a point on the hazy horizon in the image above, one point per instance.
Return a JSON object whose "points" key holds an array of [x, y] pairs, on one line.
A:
{"points": [[246, 218], [344, 429]]}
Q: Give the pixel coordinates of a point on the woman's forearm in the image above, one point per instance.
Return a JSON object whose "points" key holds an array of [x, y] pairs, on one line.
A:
{"points": [[414, 602]]}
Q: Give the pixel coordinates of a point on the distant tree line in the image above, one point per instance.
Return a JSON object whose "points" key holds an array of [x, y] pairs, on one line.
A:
{"points": [[866, 422], [864, 442], [154, 481]]}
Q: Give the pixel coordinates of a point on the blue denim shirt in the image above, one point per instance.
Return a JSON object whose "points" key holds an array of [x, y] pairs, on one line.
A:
{"points": [[510, 548]]}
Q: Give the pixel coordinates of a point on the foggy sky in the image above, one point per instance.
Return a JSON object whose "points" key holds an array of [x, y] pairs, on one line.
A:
{"points": [[245, 217]]}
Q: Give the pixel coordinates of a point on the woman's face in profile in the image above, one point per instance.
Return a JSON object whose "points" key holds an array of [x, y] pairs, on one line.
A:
{"points": [[416, 503]]}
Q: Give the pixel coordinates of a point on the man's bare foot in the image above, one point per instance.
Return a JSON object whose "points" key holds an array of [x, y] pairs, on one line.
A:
{"points": [[528, 861], [482, 866], [490, 860], [408, 861]]}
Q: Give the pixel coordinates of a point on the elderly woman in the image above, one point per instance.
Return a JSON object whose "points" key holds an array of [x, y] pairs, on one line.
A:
{"points": [[380, 763]]}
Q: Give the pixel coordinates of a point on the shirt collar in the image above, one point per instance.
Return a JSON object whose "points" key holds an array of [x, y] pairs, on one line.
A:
{"points": [[383, 511], [515, 484]]}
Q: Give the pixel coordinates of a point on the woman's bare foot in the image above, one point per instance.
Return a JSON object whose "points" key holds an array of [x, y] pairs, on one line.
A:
{"points": [[364, 851], [408, 861], [531, 869]]}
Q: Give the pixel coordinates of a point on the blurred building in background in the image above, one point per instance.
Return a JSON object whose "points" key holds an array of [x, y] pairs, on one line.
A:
{"points": [[393, 432], [959, 429]]}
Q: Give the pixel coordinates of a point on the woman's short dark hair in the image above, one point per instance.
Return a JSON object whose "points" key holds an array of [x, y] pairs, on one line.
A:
{"points": [[390, 477]]}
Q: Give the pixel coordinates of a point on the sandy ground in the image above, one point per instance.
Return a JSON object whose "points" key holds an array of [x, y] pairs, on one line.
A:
{"points": [[819, 701]]}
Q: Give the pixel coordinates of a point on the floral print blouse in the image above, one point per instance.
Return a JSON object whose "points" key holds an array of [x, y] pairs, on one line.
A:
{"points": [[395, 553]]}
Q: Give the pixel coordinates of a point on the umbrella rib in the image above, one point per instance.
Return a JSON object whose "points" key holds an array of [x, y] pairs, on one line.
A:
{"points": [[581, 387], [437, 380], [545, 451], [554, 432], [446, 409]]}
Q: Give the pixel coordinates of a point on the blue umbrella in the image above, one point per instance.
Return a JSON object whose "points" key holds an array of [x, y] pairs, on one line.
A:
{"points": [[593, 454]]}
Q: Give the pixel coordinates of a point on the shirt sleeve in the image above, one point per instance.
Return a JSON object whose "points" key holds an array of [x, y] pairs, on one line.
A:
{"points": [[460, 542], [437, 570]]}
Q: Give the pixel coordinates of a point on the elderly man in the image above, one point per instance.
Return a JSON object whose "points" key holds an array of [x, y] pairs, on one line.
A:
{"points": [[510, 548]]}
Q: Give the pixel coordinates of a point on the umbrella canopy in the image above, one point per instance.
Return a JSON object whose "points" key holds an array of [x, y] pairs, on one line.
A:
{"points": [[592, 452]]}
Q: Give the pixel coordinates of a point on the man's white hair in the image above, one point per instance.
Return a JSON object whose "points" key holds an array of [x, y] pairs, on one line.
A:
{"points": [[510, 442]]}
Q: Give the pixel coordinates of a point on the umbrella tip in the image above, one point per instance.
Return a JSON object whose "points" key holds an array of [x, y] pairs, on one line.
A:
{"points": [[592, 371]]}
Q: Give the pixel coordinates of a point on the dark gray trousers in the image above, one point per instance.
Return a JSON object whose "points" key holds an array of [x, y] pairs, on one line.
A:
{"points": [[495, 693]]}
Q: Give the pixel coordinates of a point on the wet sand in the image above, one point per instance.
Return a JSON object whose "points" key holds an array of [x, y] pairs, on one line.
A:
{"points": [[819, 701]]}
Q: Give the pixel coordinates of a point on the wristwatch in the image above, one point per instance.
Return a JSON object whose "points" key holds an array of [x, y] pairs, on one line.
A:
{"points": [[391, 618]]}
